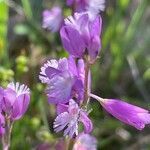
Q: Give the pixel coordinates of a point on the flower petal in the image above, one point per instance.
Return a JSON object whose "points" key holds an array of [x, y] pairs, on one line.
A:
{"points": [[127, 113], [61, 108], [72, 66], [1, 97], [96, 26], [72, 41], [68, 120], [52, 19], [85, 142], [88, 126], [48, 70], [61, 121], [8, 100], [20, 106], [94, 48], [71, 130], [56, 92], [2, 125]]}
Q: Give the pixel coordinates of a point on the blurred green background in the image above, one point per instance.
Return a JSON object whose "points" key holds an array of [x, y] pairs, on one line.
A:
{"points": [[122, 70]]}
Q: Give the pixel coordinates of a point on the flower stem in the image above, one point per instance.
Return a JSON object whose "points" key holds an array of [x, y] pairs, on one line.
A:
{"points": [[7, 136], [86, 84], [69, 144], [101, 100]]}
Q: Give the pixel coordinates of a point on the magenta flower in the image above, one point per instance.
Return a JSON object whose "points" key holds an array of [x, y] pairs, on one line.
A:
{"points": [[2, 125], [80, 35], [85, 142], [52, 19], [125, 112], [15, 100], [69, 120], [63, 73]]}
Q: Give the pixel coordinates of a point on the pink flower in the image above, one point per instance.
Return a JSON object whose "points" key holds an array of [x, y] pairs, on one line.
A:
{"points": [[69, 120], [63, 73], [125, 112], [85, 142], [14, 100], [52, 19], [81, 35]]}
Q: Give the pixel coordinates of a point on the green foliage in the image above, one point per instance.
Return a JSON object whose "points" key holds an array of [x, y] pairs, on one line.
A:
{"points": [[3, 29], [147, 74], [27, 8], [21, 64], [6, 75]]}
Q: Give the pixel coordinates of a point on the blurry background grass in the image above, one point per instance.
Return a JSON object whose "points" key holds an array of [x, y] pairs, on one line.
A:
{"points": [[122, 71]]}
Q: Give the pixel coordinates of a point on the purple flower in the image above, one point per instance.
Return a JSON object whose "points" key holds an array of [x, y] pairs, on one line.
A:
{"points": [[15, 100], [80, 35], [44, 146], [125, 112], [2, 125], [1, 97], [69, 120], [85, 142], [79, 5], [64, 79], [52, 19], [93, 7], [60, 144]]}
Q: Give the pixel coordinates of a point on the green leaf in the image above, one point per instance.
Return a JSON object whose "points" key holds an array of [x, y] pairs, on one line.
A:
{"points": [[27, 8], [147, 74], [3, 28], [123, 3]]}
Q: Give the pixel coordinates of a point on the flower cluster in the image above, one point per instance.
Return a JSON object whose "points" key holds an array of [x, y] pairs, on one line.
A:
{"points": [[14, 101], [69, 80], [80, 35], [65, 80]]}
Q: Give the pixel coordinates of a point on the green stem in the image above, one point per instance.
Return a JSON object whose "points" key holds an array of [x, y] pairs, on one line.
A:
{"points": [[6, 139], [69, 144], [43, 109], [86, 84]]}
